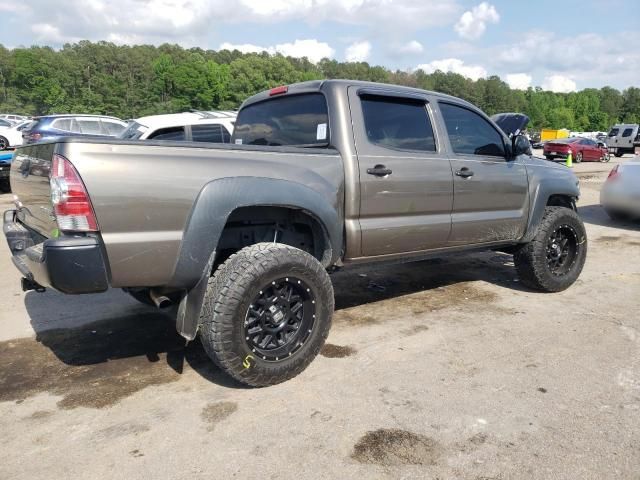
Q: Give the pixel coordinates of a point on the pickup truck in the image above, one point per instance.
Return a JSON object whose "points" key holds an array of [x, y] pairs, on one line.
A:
{"points": [[240, 239]]}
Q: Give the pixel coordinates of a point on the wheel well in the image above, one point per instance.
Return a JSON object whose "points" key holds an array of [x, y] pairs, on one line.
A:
{"points": [[250, 225], [561, 201]]}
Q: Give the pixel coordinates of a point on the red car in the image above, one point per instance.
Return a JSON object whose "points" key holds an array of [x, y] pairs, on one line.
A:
{"points": [[582, 149]]}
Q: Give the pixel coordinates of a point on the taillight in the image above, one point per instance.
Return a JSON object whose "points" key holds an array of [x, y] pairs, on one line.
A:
{"points": [[613, 174], [71, 203]]}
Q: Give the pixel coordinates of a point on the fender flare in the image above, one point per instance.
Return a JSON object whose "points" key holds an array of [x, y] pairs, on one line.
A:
{"points": [[215, 202], [540, 198]]}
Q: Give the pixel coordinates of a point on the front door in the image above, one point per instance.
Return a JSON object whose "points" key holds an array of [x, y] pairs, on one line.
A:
{"points": [[491, 200], [406, 185]]}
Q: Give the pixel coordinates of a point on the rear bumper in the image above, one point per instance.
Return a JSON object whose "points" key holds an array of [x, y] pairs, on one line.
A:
{"points": [[67, 264]]}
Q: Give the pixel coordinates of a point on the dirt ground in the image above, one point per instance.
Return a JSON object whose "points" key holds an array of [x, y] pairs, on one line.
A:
{"points": [[445, 368]]}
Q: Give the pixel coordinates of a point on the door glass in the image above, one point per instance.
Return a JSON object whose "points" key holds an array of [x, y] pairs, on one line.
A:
{"points": [[112, 128], [174, 133], [470, 134], [398, 123], [206, 133], [63, 124], [627, 132], [91, 127]]}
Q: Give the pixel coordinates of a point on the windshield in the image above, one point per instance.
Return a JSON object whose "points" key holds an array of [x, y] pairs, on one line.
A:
{"points": [[296, 120], [133, 131]]}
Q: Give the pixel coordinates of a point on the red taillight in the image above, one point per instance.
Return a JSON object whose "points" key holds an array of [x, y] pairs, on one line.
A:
{"points": [[613, 174], [70, 201], [278, 90]]}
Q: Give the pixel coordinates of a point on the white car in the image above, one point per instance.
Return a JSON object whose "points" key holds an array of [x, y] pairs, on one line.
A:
{"points": [[14, 118], [12, 136], [213, 127]]}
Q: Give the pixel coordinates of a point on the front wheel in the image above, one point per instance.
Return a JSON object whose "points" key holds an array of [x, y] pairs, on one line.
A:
{"points": [[618, 154], [553, 260], [605, 157], [579, 157], [266, 313], [4, 143]]}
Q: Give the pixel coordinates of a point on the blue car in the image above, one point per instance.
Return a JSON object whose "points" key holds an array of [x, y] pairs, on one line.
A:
{"points": [[52, 126]]}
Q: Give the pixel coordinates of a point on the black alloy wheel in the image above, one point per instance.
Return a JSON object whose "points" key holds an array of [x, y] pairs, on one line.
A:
{"points": [[562, 250], [280, 319]]}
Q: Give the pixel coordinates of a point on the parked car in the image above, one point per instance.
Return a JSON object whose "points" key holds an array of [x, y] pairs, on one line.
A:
{"points": [[14, 118], [12, 136], [620, 194], [582, 149], [318, 175], [5, 166], [213, 127], [53, 126], [4, 123], [623, 138]]}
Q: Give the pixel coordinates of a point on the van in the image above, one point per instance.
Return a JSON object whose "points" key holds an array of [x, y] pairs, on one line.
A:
{"points": [[623, 138]]}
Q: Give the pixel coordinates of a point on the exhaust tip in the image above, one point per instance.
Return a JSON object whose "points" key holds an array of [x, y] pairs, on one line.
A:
{"points": [[160, 301]]}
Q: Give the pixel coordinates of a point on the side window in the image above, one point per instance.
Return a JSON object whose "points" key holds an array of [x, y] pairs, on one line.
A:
{"points": [[207, 133], [398, 123], [470, 134], [63, 124], [173, 133], [226, 136], [112, 128], [613, 132], [627, 132], [90, 126]]}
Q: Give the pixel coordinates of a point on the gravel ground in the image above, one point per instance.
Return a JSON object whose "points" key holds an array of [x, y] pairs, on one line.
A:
{"points": [[445, 368]]}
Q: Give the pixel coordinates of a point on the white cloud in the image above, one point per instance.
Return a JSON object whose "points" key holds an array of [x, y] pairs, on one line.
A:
{"points": [[454, 65], [519, 81], [559, 83], [410, 48], [358, 52], [310, 48], [473, 23]]}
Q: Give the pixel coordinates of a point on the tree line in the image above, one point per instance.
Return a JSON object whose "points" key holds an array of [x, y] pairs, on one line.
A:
{"points": [[132, 81]]}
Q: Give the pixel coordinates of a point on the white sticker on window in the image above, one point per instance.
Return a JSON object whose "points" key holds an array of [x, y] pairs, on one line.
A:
{"points": [[238, 141], [321, 132]]}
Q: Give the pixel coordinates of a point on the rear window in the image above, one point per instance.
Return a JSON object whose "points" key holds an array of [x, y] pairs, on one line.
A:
{"points": [[295, 120]]}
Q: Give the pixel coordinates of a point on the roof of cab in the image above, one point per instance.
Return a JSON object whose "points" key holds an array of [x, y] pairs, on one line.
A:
{"points": [[318, 85]]}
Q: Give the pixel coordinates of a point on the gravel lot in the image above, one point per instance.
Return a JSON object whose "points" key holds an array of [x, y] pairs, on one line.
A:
{"points": [[445, 368]]}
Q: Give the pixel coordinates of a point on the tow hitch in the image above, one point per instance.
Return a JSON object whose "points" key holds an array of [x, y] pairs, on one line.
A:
{"points": [[28, 285]]}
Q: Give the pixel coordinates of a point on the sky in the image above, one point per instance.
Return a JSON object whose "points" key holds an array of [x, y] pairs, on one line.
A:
{"points": [[560, 46]]}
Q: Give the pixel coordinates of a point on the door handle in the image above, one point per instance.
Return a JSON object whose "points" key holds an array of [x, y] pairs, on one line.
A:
{"points": [[379, 171], [464, 172]]}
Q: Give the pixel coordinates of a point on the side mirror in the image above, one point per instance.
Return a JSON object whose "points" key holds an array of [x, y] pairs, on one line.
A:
{"points": [[520, 145]]}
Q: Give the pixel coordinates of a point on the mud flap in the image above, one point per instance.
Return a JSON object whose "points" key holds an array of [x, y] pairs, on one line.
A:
{"points": [[191, 304]]}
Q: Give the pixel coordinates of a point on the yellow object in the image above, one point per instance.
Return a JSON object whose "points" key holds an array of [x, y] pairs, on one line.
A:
{"points": [[569, 160], [547, 134]]}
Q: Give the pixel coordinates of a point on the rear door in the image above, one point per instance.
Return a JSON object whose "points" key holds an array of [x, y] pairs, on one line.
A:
{"points": [[406, 184], [490, 192]]}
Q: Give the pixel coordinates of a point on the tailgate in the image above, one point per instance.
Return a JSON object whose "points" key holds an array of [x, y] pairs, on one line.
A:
{"points": [[30, 184]]}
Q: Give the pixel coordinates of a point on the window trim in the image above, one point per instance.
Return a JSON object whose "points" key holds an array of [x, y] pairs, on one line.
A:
{"points": [[384, 93], [486, 119]]}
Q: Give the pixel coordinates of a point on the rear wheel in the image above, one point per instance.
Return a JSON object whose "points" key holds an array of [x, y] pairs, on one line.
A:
{"points": [[4, 143], [579, 157], [553, 260], [266, 314]]}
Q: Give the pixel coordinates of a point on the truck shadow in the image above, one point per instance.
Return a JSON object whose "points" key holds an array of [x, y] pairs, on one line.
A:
{"points": [[595, 215], [94, 356]]}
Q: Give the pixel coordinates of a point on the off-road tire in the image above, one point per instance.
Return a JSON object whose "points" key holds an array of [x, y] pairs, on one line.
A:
{"points": [[531, 259], [231, 291]]}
